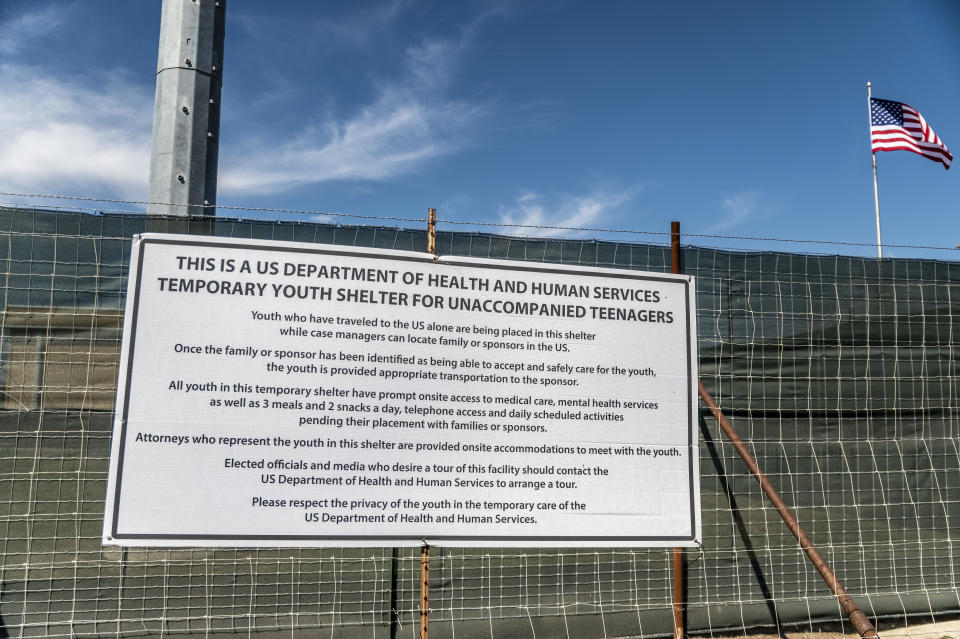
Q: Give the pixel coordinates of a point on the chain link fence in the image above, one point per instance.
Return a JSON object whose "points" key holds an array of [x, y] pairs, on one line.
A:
{"points": [[839, 372]]}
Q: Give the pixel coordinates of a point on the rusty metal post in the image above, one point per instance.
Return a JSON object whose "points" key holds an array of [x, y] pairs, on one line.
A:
{"points": [[424, 590], [675, 247], [857, 617], [679, 600], [432, 231], [679, 563]]}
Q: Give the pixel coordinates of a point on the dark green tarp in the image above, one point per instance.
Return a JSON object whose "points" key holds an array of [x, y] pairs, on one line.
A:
{"points": [[839, 372]]}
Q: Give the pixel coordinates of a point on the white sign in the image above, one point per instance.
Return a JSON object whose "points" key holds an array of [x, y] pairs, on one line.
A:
{"points": [[290, 394]]}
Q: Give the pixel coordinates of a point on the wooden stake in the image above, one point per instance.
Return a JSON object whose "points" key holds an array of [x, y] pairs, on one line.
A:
{"points": [[432, 231], [679, 565], [424, 590], [425, 548], [679, 600]]}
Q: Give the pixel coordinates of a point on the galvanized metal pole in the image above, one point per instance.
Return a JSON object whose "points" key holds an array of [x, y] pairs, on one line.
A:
{"points": [[186, 115], [873, 156]]}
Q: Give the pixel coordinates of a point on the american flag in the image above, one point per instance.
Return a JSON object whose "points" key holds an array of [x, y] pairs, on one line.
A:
{"points": [[895, 126]]}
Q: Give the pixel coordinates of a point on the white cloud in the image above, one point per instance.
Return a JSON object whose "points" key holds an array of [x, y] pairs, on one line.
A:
{"points": [[572, 212], [25, 29], [360, 27], [91, 134], [347, 25], [58, 135], [409, 123], [739, 207]]}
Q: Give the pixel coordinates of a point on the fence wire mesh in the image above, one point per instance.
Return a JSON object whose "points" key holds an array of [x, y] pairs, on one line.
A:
{"points": [[840, 373]]}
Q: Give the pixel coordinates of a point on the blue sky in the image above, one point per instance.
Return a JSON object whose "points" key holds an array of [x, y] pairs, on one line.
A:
{"points": [[735, 118]]}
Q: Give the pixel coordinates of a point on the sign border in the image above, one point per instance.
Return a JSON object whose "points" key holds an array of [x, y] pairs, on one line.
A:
{"points": [[111, 534]]}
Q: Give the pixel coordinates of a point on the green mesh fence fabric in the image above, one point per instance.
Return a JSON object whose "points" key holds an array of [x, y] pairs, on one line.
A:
{"points": [[840, 373]]}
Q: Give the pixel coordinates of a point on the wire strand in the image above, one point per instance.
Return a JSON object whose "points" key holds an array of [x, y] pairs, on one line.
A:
{"points": [[227, 207], [544, 227]]}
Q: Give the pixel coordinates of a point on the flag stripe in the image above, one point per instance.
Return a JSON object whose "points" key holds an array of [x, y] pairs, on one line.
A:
{"points": [[902, 146], [895, 126], [939, 157]]}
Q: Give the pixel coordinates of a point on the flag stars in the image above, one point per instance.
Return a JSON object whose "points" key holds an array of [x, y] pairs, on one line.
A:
{"points": [[886, 112]]}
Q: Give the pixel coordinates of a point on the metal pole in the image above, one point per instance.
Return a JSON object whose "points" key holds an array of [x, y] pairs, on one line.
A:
{"points": [[675, 247], [394, 591], [850, 608], [679, 601], [186, 112], [873, 156], [679, 564]]}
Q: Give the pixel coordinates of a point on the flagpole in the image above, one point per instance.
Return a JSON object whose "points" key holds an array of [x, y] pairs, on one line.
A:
{"points": [[876, 192]]}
